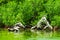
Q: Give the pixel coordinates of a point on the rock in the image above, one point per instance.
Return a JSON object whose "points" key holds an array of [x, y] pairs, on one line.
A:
{"points": [[10, 29], [42, 24], [44, 20], [19, 25], [34, 27], [16, 27]]}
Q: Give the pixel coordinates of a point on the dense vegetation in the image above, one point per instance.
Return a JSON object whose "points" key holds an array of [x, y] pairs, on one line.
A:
{"points": [[29, 12]]}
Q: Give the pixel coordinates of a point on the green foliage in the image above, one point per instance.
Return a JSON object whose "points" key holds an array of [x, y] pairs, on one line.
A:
{"points": [[29, 11], [56, 20], [10, 13]]}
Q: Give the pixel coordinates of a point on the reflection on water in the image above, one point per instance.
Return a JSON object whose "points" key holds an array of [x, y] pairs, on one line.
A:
{"points": [[30, 35]]}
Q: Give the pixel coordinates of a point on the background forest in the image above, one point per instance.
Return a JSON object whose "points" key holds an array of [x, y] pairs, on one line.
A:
{"points": [[29, 12]]}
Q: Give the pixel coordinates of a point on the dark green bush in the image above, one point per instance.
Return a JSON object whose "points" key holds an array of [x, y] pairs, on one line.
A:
{"points": [[29, 12]]}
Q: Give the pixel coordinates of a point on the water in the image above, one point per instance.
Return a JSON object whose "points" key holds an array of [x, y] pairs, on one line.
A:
{"points": [[30, 35]]}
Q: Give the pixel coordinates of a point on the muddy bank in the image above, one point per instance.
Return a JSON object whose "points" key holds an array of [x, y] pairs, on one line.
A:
{"points": [[55, 28]]}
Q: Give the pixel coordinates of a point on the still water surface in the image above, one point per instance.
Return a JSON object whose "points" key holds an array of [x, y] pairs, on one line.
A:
{"points": [[30, 35]]}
